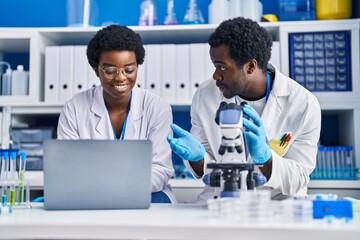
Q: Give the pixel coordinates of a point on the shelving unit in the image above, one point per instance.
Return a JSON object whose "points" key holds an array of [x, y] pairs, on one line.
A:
{"points": [[345, 105]]}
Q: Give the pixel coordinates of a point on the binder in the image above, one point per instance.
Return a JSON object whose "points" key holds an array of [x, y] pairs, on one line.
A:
{"points": [[209, 66], [168, 69], [182, 73], [275, 55], [66, 67], [80, 69], [92, 79], [52, 64], [153, 68], [140, 80], [197, 66]]}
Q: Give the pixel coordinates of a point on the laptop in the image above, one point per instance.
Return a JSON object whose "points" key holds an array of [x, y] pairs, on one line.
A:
{"points": [[97, 174]]}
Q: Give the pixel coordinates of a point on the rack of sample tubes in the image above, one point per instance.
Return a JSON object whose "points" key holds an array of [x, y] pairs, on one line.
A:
{"points": [[257, 207], [335, 163], [14, 190], [320, 61]]}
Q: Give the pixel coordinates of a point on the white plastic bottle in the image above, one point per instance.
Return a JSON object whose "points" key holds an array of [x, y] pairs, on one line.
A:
{"points": [[6, 82], [236, 8], [252, 9], [20, 81], [218, 11]]}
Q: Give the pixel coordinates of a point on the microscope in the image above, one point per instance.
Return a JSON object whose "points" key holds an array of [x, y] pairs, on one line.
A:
{"points": [[233, 172]]}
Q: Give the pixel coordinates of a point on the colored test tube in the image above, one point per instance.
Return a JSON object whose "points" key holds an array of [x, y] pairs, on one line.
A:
{"points": [[22, 166], [12, 194], [22, 176]]}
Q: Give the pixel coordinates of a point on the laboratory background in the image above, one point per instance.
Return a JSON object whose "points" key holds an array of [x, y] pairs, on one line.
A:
{"points": [[32, 32]]}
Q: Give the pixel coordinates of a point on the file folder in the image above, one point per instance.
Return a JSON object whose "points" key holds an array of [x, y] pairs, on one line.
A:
{"points": [[182, 73], [168, 71], [275, 55], [140, 80], [80, 69], [153, 68], [92, 79], [66, 67], [197, 66], [209, 66], [52, 64]]}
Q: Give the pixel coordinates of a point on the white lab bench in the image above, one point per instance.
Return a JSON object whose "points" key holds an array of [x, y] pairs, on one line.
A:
{"points": [[161, 221]]}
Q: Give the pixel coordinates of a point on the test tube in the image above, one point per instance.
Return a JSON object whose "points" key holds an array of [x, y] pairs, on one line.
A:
{"points": [[4, 167], [28, 194], [22, 176], [12, 174], [337, 162], [12, 194], [4, 177], [350, 165]]}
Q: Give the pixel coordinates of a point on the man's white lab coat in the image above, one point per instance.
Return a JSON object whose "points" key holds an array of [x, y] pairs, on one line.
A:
{"points": [[86, 117], [290, 108]]}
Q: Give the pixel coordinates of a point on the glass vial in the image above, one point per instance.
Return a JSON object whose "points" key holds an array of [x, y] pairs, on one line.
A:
{"points": [[193, 15], [147, 13], [170, 18]]}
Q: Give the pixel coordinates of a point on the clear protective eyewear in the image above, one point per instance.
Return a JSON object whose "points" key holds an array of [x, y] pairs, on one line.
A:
{"points": [[112, 72]]}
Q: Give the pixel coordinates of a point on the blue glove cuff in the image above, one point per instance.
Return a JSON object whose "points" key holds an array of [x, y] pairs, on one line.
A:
{"points": [[264, 157], [201, 154]]}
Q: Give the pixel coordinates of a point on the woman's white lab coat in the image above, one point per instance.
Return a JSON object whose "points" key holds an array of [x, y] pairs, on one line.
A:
{"points": [[86, 117], [290, 108]]}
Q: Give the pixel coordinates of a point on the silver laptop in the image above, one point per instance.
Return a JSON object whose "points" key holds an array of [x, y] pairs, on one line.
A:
{"points": [[97, 174]]}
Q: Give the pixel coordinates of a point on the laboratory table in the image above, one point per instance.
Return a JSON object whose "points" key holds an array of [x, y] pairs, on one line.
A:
{"points": [[161, 221]]}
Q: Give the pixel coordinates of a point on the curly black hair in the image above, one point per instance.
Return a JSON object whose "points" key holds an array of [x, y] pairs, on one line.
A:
{"points": [[114, 37], [246, 41]]}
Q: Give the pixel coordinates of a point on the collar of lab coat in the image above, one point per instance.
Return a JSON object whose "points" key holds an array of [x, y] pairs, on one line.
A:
{"points": [[275, 105], [99, 109]]}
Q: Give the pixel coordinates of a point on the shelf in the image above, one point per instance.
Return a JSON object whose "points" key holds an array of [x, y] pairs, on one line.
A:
{"points": [[149, 34], [334, 184], [14, 45], [55, 108], [19, 109]]}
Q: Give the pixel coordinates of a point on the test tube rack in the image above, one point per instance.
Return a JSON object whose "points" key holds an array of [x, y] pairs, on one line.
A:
{"points": [[15, 194]]}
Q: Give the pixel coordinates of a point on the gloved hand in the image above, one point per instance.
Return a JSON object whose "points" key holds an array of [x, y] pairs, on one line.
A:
{"points": [[255, 136], [186, 146]]}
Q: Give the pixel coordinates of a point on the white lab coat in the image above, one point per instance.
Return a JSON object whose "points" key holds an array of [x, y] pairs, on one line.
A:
{"points": [[86, 117], [290, 107]]}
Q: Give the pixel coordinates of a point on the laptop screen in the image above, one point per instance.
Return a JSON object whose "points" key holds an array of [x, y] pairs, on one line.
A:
{"points": [[97, 174]]}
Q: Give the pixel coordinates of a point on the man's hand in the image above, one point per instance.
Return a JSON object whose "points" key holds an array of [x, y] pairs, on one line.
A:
{"points": [[255, 136], [186, 146]]}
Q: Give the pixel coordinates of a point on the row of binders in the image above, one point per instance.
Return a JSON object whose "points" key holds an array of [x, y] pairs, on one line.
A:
{"points": [[172, 71]]}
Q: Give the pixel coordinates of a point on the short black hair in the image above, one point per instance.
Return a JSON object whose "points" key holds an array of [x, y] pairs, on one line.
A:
{"points": [[114, 37], [246, 41]]}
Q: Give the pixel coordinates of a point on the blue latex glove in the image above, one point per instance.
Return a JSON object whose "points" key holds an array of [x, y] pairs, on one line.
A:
{"points": [[186, 146], [255, 136]]}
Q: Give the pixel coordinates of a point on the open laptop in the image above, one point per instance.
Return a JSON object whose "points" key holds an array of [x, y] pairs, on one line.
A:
{"points": [[97, 174]]}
